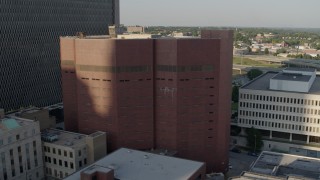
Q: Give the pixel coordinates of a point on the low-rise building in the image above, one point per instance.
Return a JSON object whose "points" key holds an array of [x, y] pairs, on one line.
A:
{"points": [[67, 152], [38, 114], [128, 164], [285, 107], [138, 36], [135, 29], [279, 166], [20, 149]]}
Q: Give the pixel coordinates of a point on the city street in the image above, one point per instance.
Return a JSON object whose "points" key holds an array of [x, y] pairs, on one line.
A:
{"points": [[240, 162]]}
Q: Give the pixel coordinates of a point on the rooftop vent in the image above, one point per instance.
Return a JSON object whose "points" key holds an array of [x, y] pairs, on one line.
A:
{"points": [[81, 35], [48, 137], [68, 143], [112, 166]]}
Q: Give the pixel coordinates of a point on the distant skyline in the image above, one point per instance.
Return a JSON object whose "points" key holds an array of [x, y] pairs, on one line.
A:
{"points": [[231, 13]]}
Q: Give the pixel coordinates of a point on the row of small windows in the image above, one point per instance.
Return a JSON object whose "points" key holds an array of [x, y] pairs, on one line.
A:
{"points": [[54, 173], [94, 79], [17, 137], [279, 117], [65, 153], [114, 69], [163, 79], [280, 99], [279, 125], [192, 68], [280, 108], [148, 79], [22, 166], [59, 162]]}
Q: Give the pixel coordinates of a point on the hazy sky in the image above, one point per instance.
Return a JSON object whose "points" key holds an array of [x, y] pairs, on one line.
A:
{"points": [[253, 13]]}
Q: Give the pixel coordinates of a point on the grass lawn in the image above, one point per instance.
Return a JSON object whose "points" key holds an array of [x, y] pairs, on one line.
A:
{"points": [[250, 62]]}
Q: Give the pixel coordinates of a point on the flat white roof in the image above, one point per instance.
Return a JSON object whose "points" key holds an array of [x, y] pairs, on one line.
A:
{"points": [[138, 165], [287, 165]]}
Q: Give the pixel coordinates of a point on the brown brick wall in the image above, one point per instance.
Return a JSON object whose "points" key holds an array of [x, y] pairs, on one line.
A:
{"points": [[187, 111]]}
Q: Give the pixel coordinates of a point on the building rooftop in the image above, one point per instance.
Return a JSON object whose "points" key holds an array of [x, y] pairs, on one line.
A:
{"points": [[66, 138], [287, 165], [8, 124], [304, 63], [255, 176], [133, 165], [301, 69], [292, 77], [262, 83], [133, 36], [63, 138]]}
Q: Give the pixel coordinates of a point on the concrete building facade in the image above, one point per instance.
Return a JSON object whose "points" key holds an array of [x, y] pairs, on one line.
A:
{"points": [[20, 149], [288, 118], [135, 29], [30, 30], [152, 93], [67, 152], [42, 115]]}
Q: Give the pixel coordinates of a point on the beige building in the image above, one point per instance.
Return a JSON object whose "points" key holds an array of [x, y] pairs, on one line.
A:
{"points": [[135, 29], [138, 36], [285, 107], [20, 149], [67, 152], [42, 115]]}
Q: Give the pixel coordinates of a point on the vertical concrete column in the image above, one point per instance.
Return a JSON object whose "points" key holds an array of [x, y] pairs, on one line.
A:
{"points": [[270, 135], [243, 131], [290, 137], [308, 139]]}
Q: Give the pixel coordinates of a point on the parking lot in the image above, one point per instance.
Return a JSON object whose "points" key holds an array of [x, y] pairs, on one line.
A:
{"points": [[240, 162]]}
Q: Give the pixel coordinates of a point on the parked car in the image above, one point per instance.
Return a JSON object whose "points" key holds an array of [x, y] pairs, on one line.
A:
{"points": [[236, 150], [253, 154]]}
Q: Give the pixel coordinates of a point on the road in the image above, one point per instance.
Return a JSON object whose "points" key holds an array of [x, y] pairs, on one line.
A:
{"points": [[240, 162]]}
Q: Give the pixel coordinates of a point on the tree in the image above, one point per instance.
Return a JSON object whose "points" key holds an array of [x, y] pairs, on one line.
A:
{"points": [[249, 49], [235, 94], [266, 51], [254, 139], [253, 73], [282, 50]]}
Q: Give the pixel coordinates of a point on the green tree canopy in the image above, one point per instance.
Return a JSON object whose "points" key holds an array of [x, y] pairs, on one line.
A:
{"points": [[254, 139], [253, 73], [235, 94]]}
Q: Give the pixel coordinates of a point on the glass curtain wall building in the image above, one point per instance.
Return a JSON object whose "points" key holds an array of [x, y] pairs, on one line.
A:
{"points": [[29, 46]]}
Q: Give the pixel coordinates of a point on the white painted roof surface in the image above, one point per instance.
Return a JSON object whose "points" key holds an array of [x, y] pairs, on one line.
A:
{"points": [[138, 165]]}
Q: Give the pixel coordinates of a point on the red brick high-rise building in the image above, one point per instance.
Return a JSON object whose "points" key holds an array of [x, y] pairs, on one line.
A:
{"points": [[152, 93]]}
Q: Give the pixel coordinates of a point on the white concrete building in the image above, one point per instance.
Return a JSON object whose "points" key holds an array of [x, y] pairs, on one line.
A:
{"points": [[66, 152], [285, 107], [20, 149], [279, 166]]}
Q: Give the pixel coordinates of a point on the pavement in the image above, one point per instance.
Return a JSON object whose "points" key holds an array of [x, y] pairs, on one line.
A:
{"points": [[240, 162]]}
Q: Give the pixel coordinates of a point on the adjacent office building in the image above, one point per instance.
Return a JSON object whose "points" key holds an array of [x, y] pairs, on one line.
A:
{"points": [[20, 149], [152, 93], [285, 106], [132, 164], [67, 152], [30, 30], [279, 166], [135, 29]]}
